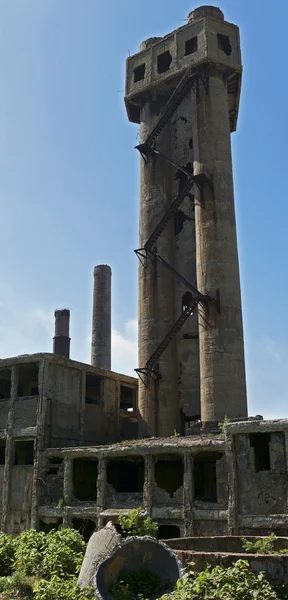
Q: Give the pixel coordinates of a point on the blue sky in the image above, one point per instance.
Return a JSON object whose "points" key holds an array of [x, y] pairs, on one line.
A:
{"points": [[69, 176]]}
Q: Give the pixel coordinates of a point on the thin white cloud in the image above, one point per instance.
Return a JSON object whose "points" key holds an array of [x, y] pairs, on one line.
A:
{"points": [[124, 349]]}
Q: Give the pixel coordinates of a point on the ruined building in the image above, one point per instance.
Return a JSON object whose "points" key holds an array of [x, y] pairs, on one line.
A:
{"points": [[79, 443]]}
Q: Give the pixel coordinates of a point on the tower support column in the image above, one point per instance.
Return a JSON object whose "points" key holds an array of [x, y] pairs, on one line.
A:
{"points": [[222, 367]]}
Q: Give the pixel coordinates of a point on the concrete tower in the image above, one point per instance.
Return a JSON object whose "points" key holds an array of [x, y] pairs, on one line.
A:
{"points": [[61, 340], [184, 91], [101, 318]]}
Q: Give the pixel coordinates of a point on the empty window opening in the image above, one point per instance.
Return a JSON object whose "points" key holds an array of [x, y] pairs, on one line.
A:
{"points": [[169, 473], [126, 476], [127, 398], [85, 526], [139, 73], [168, 532], [191, 336], [186, 299], [224, 43], [191, 46], [5, 384], [94, 390], [261, 444], [205, 476], [2, 452], [191, 144], [164, 61], [85, 473], [48, 526], [24, 453], [179, 219], [28, 380]]}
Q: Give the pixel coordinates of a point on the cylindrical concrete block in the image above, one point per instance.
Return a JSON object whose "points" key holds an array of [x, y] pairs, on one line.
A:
{"points": [[206, 11], [101, 318], [61, 340]]}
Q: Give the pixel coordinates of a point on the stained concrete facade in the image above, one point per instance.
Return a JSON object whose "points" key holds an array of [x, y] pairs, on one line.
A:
{"points": [[202, 370]]}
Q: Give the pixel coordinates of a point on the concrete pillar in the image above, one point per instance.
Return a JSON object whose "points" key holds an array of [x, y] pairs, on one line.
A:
{"points": [[222, 368], [101, 318], [157, 400], [61, 340]]}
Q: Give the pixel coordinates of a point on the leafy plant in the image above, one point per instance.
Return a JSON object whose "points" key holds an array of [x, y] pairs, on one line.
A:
{"points": [[264, 545], [237, 582], [7, 554], [134, 523], [138, 584], [222, 425], [60, 589]]}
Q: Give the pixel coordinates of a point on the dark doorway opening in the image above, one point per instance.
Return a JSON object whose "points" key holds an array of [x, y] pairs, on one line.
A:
{"points": [[260, 442], [2, 452], [139, 73], [127, 398], [24, 453], [28, 380], [163, 62], [126, 475], [166, 532], [186, 299], [169, 473], [85, 526], [205, 476], [5, 384], [191, 46], [224, 44], [46, 527], [94, 390], [85, 473]]}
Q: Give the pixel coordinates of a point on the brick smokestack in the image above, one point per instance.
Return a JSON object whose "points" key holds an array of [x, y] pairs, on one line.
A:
{"points": [[101, 318], [61, 340]]}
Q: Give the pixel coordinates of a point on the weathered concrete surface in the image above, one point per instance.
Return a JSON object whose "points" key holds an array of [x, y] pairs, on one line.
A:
{"points": [[61, 340], [101, 318], [226, 544], [134, 554], [100, 545]]}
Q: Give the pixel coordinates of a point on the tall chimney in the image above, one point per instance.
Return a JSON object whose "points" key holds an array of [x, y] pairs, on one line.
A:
{"points": [[101, 318], [61, 340]]}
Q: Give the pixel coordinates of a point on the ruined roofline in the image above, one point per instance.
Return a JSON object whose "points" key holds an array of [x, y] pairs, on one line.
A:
{"points": [[68, 362]]}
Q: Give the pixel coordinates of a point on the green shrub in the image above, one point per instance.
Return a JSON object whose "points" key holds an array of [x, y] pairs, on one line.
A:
{"points": [[16, 586], [264, 545], [136, 524], [237, 582], [58, 552], [60, 589], [7, 554], [138, 584]]}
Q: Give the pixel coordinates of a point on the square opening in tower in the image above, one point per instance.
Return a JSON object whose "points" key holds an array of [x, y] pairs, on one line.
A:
{"points": [[205, 476], [163, 62], [191, 46], [94, 390], [224, 44], [139, 73], [28, 380], [126, 476], [24, 452], [127, 398], [5, 384], [260, 442]]}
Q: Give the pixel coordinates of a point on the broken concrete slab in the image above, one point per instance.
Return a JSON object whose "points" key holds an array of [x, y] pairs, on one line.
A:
{"points": [[137, 553], [100, 545]]}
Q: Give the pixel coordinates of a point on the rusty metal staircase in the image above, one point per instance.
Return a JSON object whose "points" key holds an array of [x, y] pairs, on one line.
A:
{"points": [[189, 80]]}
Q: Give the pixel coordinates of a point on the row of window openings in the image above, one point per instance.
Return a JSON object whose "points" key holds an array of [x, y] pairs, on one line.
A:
{"points": [[28, 379], [127, 476], [164, 60], [27, 382]]}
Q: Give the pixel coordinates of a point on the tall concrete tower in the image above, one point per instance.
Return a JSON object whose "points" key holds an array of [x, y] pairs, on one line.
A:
{"points": [[184, 91], [101, 318]]}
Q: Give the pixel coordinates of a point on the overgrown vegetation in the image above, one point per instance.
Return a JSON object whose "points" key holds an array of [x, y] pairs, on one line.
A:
{"points": [[237, 582], [264, 545], [134, 523], [41, 566], [137, 585]]}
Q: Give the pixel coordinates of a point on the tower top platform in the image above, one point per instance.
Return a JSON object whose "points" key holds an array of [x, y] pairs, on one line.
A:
{"points": [[207, 39]]}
